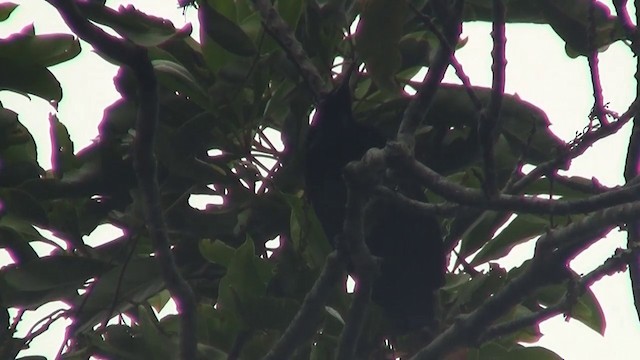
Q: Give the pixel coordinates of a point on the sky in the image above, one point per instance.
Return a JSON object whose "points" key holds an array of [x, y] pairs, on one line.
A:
{"points": [[538, 71]]}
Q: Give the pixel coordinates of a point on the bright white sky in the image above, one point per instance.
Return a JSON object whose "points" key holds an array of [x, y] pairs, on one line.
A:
{"points": [[538, 70]]}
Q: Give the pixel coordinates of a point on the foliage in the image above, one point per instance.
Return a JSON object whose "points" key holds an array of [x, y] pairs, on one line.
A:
{"points": [[224, 89]]}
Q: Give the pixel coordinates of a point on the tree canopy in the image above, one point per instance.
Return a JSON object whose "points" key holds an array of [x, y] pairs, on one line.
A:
{"points": [[201, 114]]}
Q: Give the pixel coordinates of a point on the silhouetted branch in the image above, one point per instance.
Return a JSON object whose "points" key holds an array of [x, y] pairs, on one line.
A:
{"points": [[627, 25], [615, 263], [576, 148], [423, 99], [504, 202], [280, 31], [306, 320], [599, 111], [365, 267], [137, 59], [466, 82], [631, 172], [490, 117], [547, 266]]}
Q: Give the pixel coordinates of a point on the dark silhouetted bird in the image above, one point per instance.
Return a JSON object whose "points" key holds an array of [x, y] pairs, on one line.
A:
{"points": [[409, 244]]}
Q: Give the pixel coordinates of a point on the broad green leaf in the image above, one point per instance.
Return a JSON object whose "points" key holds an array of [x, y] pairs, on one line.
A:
{"points": [[52, 272], [176, 77], [159, 300], [523, 228], [6, 9], [307, 235], [247, 277], [134, 25], [497, 351], [482, 231], [25, 78], [225, 32], [290, 11], [38, 50], [156, 343], [217, 252], [18, 247], [570, 20], [587, 309], [136, 281], [21, 204], [63, 158], [377, 37]]}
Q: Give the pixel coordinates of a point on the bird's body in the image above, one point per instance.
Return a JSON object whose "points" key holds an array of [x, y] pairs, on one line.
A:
{"points": [[409, 244]]}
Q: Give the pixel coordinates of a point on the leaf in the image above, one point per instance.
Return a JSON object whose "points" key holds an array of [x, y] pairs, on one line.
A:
{"points": [[52, 272], [523, 228], [29, 79], [6, 9], [225, 32], [37, 282], [587, 309], [246, 278], [157, 345], [135, 282], [497, 351], [481, 231], [290, 11], [176, 77], [377, 37], [334, 313], [18, 247], [570, 20], [39, 50], [134, 25], [217, 252], [159, 300], [307, 234], [589, 312], [63, 158]]}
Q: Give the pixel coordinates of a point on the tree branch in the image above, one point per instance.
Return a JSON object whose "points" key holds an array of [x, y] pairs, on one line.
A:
{"points": [[615, 263], [305, 322], [548, 266], [421, 102], [137, 59], [365, 267], [280, 31], [505, 202], [490, 117], [632, 168], [426, 20]]}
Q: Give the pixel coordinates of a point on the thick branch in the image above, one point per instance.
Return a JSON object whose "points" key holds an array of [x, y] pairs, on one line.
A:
{"points": [[363, 261], [144, 162], [632, 167], [553, 250], [616, 263]]}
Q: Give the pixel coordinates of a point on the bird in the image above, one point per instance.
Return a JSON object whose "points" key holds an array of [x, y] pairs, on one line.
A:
{"points": [[407, 243]]}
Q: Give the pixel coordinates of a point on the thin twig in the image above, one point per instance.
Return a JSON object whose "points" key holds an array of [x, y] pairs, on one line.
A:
{"points": [[466, 82], [599, 111], [423, 99], [275, 26]]}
